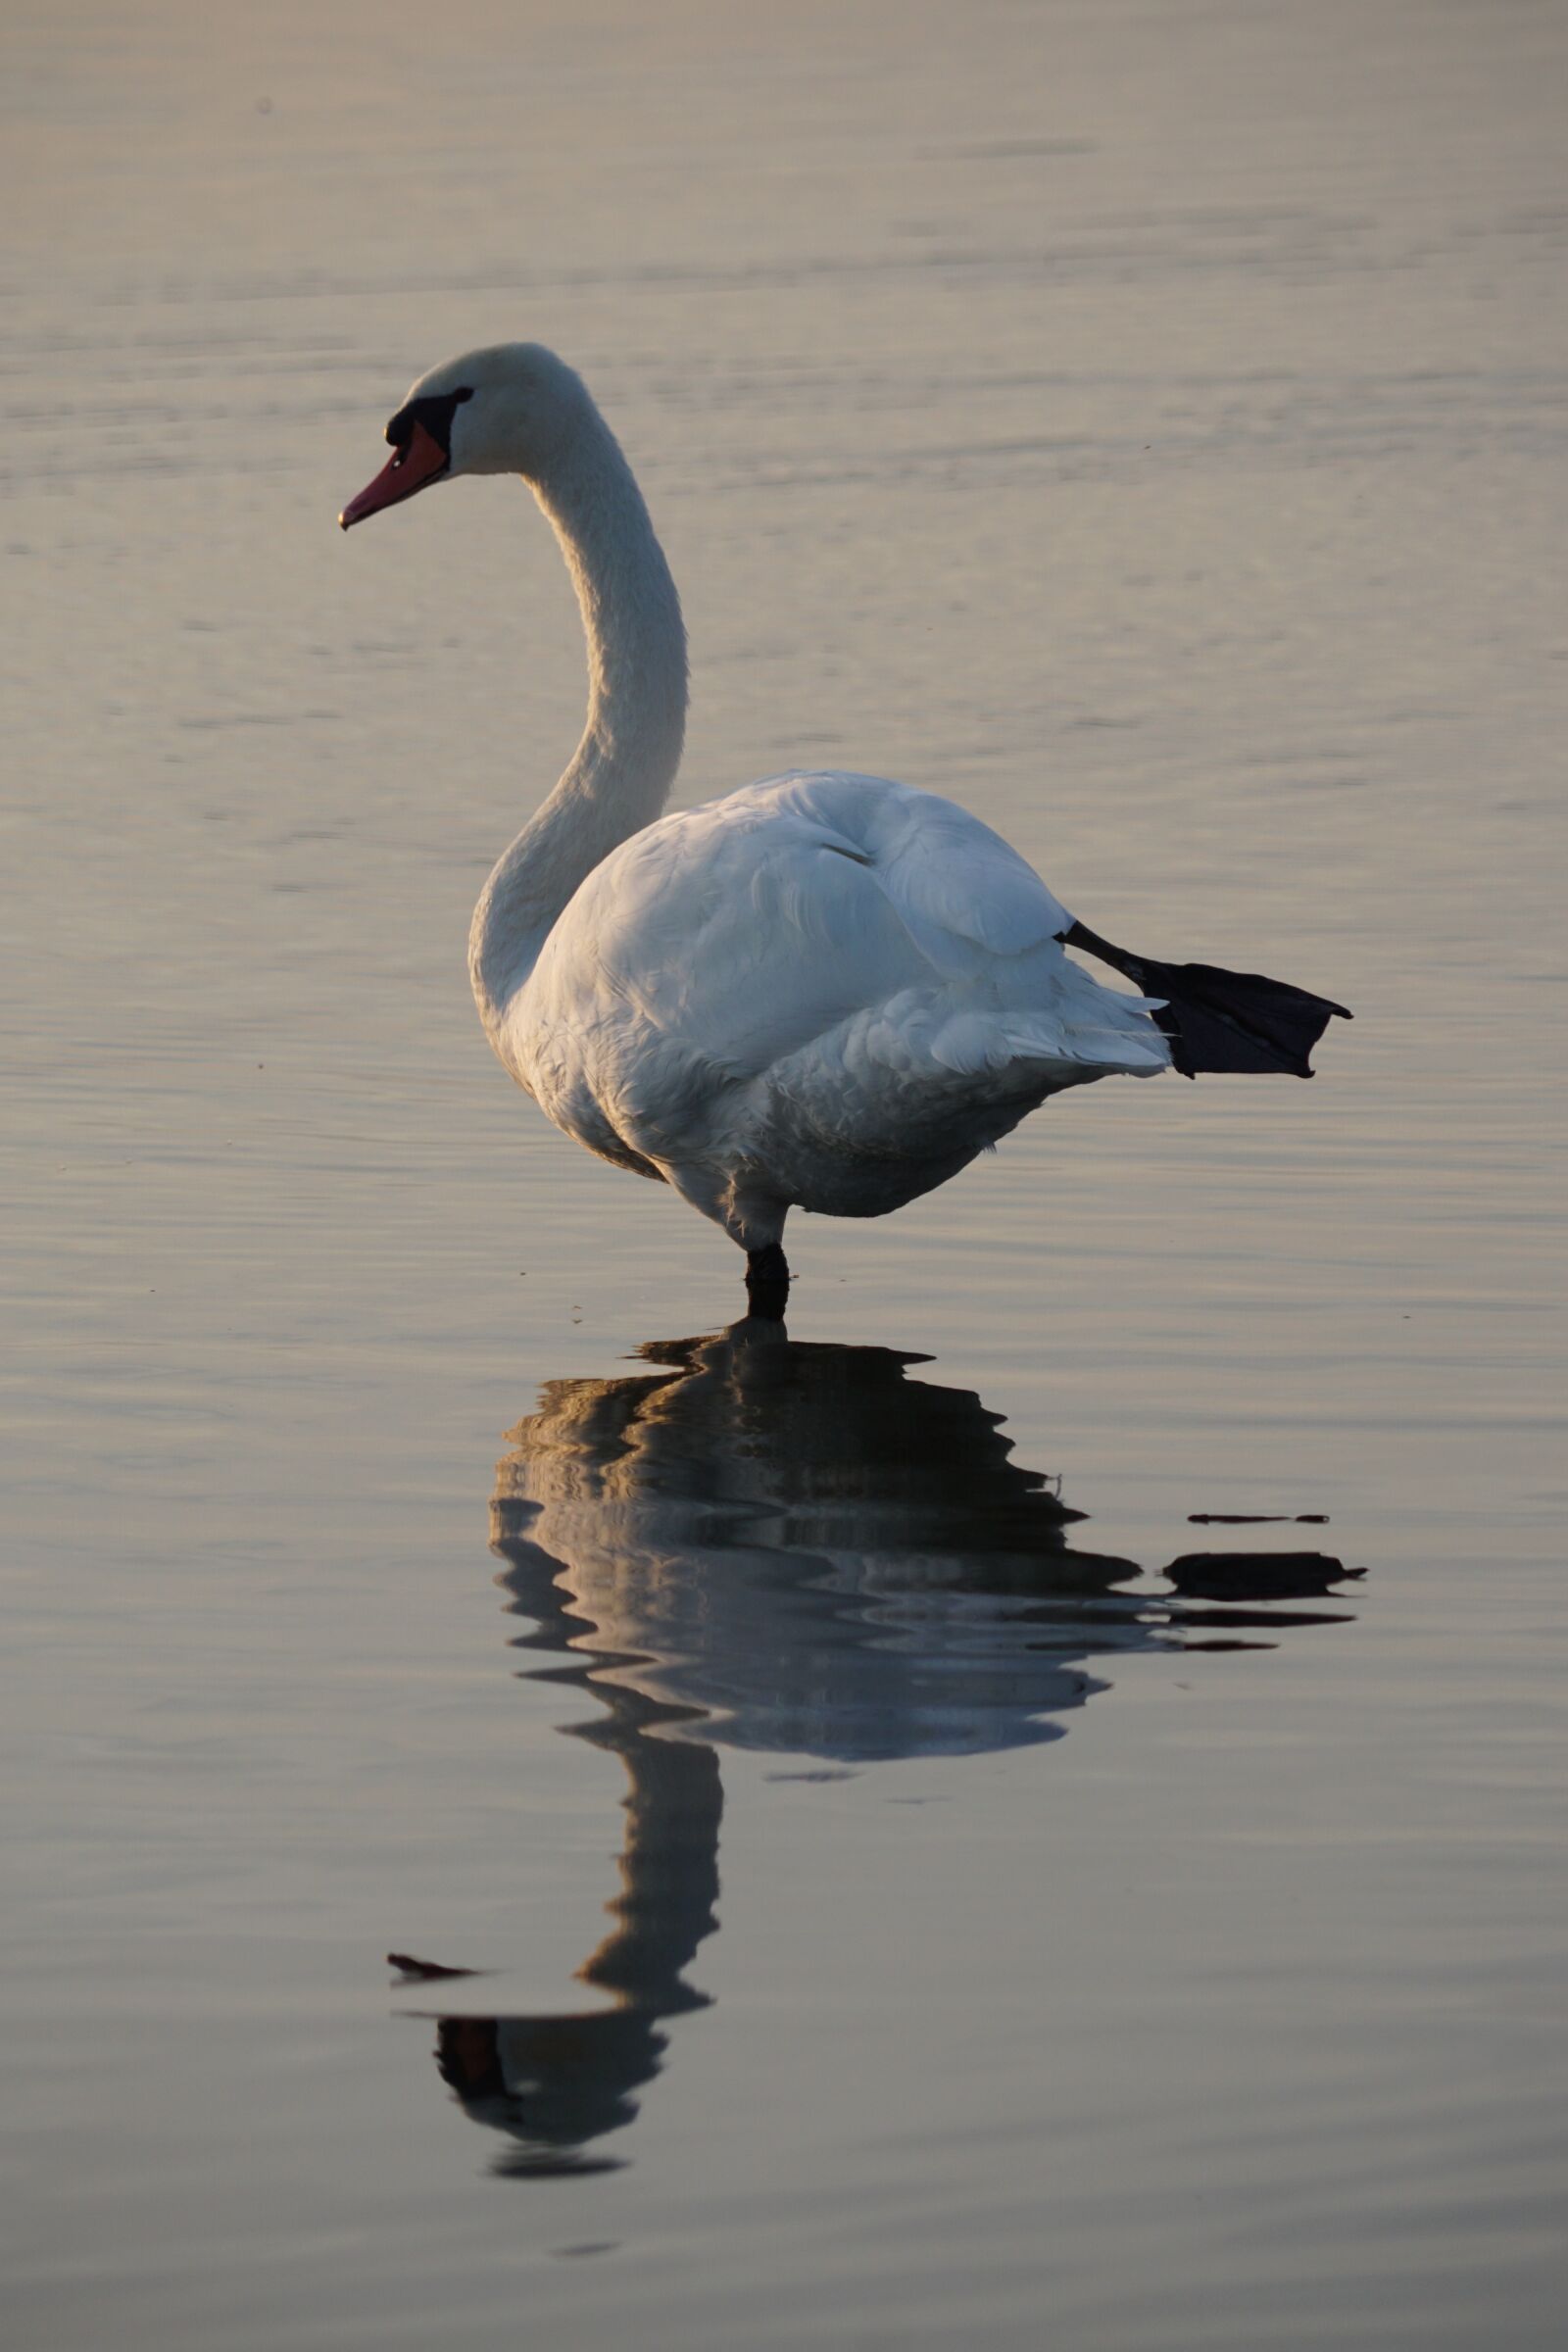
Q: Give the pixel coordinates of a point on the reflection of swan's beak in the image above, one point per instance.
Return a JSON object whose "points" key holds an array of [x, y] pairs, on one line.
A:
{"points": [[405, 471]]}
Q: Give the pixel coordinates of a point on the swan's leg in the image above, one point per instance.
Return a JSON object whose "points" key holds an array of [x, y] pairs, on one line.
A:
{"points": [[768, 1283], [753, 1219], [756, 1220], [758, 1224]]}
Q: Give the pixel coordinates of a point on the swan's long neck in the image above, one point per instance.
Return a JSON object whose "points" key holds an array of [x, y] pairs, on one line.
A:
{"points": [[622, 772]]}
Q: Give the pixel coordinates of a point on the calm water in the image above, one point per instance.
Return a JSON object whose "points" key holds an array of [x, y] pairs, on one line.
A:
{"points": [[1070, 1741]]}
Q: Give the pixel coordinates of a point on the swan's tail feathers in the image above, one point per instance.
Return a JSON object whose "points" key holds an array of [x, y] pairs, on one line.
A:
{"points": [[1218, 1021]]}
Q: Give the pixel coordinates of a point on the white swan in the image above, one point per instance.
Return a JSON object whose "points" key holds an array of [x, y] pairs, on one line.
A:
{"points": [[826, 989]]}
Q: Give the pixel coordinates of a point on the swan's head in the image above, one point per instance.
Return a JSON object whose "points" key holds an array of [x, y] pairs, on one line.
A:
{"points": [[509, 409]]}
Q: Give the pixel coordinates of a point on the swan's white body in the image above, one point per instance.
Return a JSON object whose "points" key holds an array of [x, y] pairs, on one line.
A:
{"points": [[826, 990]]}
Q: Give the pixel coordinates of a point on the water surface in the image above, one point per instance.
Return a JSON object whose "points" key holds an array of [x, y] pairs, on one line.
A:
{"points": [[1070, 1736]]}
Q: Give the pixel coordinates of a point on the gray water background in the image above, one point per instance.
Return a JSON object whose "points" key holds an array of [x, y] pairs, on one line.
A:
{"points": [[1144, 424]]}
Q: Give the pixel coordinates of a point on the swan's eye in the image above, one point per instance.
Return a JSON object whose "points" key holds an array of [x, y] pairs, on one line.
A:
{"points": [[436, 412]]}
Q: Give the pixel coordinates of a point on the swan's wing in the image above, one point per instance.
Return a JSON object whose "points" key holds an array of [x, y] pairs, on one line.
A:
{"points": [[744, 930], [741, 930], [964, 893]]}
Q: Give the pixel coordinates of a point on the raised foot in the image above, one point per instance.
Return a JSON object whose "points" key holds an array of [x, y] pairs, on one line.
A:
{"points": [[767, 1282]]}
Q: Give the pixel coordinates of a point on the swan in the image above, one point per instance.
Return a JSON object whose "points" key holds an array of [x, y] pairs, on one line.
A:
{"points": [[826, 990]]}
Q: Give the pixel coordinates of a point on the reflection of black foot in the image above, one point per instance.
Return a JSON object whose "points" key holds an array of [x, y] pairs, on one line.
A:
{"points": [[767, 1282]]}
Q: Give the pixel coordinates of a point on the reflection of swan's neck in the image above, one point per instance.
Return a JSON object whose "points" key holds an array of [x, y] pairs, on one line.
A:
{"points": [[675, 1801], [669, 1874], [622, 772]]}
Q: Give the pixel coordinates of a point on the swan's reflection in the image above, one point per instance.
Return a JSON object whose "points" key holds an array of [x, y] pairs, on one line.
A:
{"points": [[801, 1549]]}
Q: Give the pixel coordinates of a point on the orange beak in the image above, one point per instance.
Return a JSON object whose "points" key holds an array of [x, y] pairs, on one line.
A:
{"points": [[423, 460]]}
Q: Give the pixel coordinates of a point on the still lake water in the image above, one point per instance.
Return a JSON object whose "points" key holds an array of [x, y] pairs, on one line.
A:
{"points": [[1145, 423]]}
